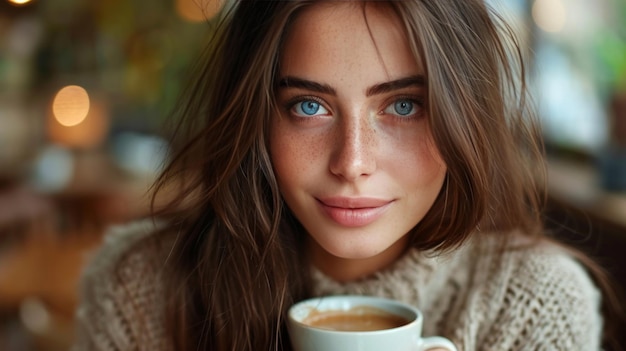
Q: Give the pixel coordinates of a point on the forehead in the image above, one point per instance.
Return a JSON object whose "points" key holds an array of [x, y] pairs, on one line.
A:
{"points": [[348, 35]]}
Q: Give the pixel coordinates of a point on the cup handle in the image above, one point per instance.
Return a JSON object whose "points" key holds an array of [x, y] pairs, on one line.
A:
{"points": [[430, 342]]}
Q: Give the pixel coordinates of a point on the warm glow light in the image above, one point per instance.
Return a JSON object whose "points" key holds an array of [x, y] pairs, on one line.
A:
{"points": [[549, 15], [89, 133], [19, 2], [71, 105], [198, 10]]}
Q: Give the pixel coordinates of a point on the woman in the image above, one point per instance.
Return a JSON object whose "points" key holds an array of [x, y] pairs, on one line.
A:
{"points": [[378, 148]]}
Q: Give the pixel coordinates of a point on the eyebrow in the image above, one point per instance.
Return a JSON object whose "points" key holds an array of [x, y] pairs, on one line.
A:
{"points": [[397, 84], [295, 82]]}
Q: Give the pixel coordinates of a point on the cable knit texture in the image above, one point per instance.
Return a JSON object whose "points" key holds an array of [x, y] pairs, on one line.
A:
{"points": [[536, 298]]}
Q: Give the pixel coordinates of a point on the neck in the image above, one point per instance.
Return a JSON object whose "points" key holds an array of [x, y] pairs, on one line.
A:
{"points": [[348, 269]]}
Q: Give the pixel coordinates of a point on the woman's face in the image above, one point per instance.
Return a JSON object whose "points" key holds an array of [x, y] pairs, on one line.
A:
{"points": [[351, 145]]}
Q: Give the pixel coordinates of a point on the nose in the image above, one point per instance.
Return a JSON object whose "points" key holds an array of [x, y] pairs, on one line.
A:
{"points": [[354, 152]]}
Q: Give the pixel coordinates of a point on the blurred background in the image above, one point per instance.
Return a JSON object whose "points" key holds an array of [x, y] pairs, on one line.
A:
{"points": [[85, 86]]}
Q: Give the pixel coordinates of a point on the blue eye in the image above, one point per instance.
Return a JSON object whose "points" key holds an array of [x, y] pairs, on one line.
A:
{"points": [[309, 108], [402, 107]]}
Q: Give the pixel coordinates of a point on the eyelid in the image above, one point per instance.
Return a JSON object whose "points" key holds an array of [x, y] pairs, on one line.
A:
{"points": [[291, 103], [418, 100], [300, 98]]}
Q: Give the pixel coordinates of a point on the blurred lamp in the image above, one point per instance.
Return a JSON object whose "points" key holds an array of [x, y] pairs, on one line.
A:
{"points": [[198, 10], [19, 2], [76, 120], [70, 105], [549, 15]]}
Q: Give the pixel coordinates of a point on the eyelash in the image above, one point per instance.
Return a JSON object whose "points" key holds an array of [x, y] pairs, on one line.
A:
{"points": [[418, 102], [291, 103]]}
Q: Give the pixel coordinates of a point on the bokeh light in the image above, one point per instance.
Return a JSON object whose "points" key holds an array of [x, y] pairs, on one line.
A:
{"points": [[549, 15], [198, 10], [71, 105], [19, 2], [76, 120]]}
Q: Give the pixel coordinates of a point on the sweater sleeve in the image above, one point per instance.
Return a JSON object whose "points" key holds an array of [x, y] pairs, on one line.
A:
{"points": [[550, 303], [120, 307]]}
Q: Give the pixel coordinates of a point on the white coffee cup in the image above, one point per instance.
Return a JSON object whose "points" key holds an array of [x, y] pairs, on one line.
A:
{"points": [[407, 337]]}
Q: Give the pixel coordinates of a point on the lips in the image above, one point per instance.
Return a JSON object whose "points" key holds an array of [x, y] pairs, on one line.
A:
{"points": [[354, 212]]}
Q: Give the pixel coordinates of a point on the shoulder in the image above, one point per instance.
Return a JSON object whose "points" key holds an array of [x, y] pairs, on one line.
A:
{"points": [[122, 288], [125, 248], [543, 266], [553, 273], [544, 291], [119, 242]]}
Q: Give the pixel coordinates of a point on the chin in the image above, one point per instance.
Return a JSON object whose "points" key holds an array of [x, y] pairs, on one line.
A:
{"points": [[354, 252]]}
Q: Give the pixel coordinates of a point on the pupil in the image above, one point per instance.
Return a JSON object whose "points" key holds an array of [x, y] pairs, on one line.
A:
{"points": [[403, 107], [310, 107]]}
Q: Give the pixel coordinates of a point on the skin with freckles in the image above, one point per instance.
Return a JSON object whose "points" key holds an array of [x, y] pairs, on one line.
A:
{"points": [[351, 145]]}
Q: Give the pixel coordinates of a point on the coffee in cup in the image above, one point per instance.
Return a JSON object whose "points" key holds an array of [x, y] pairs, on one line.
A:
{"points": [[359, 323], [357, 318]]}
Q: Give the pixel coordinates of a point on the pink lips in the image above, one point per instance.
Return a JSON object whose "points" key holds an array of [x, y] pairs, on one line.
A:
{"points": [[354, 212]]}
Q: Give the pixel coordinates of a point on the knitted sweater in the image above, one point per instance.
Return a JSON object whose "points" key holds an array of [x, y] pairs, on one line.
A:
{"points": [[536, 298]]}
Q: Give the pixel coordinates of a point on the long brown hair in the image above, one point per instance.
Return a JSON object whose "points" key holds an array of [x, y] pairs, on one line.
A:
{"points": [[239, 260], [481, 122]]}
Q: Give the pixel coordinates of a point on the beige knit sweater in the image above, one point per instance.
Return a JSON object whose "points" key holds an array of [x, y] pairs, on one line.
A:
{"points": [[530, 299]]}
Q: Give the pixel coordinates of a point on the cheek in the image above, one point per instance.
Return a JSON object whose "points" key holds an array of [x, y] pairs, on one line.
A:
{"points": [[422, 178], [432, 157], [415, 159], [293, 155]]}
